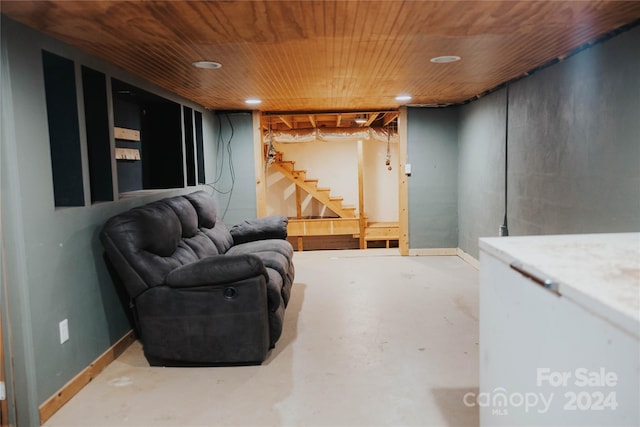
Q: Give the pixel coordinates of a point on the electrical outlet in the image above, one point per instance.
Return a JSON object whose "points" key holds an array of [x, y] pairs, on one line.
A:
{"points": [[407, 169], [64, 331]]}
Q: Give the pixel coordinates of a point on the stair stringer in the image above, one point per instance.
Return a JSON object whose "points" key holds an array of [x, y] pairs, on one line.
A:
{"points": [[310, 186]]}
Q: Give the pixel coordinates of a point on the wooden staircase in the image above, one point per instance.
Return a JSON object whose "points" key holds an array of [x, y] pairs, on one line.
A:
{"points": [[310, 186], [347, 223]]}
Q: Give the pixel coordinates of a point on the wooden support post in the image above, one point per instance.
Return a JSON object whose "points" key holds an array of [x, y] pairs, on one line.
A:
{"points": [[299, 214], [298, 202], [403, 191], [363, 243], [259, 167]]}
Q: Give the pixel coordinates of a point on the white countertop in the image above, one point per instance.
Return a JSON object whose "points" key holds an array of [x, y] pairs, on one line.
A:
{"points": [[600, 272]]}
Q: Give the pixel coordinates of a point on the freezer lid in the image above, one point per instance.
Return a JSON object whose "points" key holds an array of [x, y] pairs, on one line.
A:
{"points": [[600, 272]]}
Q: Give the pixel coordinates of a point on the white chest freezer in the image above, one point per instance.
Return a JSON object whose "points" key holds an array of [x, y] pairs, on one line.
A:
{"points": [[559, 331]]}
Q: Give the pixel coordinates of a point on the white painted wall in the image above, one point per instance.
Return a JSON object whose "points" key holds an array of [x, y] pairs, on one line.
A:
{"points": [[380, 184]]}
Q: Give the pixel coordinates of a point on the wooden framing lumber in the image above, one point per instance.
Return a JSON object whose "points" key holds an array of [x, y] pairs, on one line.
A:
{"points": [[403, 179]]}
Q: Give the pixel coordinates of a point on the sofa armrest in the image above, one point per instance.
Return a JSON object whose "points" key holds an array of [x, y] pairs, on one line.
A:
{"points": [[216, 270], [270, 227]]}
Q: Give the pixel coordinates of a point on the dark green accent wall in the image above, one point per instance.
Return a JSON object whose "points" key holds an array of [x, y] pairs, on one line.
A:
{"points": [[233, 178], [432, 150], [53, 262]]}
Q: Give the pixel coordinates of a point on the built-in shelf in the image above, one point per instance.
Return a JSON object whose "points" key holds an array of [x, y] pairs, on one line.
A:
{"points": [[157, 143], [126, 134], [127, 154]]}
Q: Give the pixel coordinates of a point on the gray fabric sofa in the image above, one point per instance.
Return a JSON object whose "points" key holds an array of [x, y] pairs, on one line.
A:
{"points": [[201, 294]]}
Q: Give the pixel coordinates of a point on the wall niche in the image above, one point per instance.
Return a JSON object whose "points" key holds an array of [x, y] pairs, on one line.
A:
{"points": [[150, 126]]}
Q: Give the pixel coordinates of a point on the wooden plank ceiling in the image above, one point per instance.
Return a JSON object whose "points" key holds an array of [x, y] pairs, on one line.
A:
{"points": [[326, 56]]}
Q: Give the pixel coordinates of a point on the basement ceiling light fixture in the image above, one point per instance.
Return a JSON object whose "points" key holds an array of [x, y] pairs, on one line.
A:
{"points": [[403, 98], [209, 65], [445, 59], [361, 119], [253, 101]]}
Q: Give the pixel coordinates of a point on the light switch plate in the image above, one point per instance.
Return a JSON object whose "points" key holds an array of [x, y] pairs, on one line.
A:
{"points": [[64, 331]]}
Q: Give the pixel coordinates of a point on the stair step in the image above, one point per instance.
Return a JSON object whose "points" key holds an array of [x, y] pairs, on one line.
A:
{"points": [[288, 165], [322, 194], [349, 211]]}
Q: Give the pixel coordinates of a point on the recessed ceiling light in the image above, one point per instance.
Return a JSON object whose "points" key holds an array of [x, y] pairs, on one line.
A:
{"points": [[403, 97], [210, 65], [253, 101], [360, 119], [445, 59]]}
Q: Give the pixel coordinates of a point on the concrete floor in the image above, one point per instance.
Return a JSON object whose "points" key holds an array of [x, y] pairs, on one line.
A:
{"points": [[370, 338]]}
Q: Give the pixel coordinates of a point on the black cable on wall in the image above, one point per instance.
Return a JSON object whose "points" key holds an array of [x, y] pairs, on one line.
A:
{"points": [[223, 146], [504, 229]]}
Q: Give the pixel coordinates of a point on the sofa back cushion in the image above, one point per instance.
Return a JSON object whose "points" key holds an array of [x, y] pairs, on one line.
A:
{"points": [[208, 221], [144, 244], [192, 236], [134, 240], [205, 207], [186, 213]]}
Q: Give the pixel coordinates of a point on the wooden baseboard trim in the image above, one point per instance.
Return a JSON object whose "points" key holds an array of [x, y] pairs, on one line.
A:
{"points": [[468, 259], [447, 252], [433, 252], [70, 389]]}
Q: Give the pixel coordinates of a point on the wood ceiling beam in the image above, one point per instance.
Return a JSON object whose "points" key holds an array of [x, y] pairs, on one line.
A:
{"points": [[372, 118], [286, 121], [388, 118]]}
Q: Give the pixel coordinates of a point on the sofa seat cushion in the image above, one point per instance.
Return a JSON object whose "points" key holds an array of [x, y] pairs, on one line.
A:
{"points": [[216, 270], [201, 245], [270, 259], [274, 260]]}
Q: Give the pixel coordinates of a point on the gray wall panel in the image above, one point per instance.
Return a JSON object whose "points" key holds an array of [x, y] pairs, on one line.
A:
{"points": [[574, 149], [574, 143], [432, 151], [481, 170]]}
